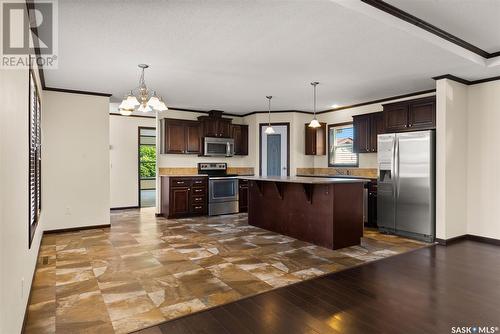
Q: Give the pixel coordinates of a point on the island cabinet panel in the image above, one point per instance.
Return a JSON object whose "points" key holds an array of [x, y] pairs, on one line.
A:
{"points": [[327, 215], [181, 136], [410, 115], [315, 140], [366, 129], [183, 196], [239, 132]]}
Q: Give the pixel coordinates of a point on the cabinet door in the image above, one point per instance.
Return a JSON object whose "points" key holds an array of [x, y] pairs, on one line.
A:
{"points": [[174, 137], [376, 127], [209, 127], [224, 127], [239, 133], [422, 114], [396, 117], [193, 137], [310, 144], [361, 125], [179, 201]]}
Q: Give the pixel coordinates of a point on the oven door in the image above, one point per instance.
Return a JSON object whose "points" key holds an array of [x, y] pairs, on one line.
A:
{"points": [[223, 189]]}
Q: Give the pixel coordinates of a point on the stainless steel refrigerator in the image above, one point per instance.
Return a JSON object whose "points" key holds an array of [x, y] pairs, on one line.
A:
{"points": [[406, 184]]}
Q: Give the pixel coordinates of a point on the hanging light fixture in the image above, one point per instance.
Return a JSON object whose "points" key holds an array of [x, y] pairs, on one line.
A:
{"points": [[269, 130], [314, 123], [145, 101]]}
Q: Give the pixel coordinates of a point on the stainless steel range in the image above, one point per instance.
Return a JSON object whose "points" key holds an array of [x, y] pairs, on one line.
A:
{"points": [[222, 188]]}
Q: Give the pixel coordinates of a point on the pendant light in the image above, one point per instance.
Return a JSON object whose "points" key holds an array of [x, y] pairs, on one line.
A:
{"points": [[314, 123], [269, 130]]}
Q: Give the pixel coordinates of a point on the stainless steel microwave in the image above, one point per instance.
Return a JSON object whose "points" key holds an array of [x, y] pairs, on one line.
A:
{"points": [[213, 146]]}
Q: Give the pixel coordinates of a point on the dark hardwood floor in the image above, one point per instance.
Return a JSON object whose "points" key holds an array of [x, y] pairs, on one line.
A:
{"points": [[429, 290]]}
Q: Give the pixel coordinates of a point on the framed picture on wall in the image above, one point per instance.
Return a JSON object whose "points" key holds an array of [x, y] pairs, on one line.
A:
{"points": [[35, 157]]}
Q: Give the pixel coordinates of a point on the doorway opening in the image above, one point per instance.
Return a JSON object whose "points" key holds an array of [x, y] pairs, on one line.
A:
{"points": [[274, 150], [147, 166]]}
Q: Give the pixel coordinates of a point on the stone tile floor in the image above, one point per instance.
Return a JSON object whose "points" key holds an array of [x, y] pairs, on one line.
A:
{"points": [[145, 270]]}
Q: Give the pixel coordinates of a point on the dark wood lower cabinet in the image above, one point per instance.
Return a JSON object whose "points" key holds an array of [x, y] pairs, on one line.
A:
{"points": [[243, 195], [184, 196]]}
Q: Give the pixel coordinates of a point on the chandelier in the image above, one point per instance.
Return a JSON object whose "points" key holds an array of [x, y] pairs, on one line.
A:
{"points": [[141, 98]]}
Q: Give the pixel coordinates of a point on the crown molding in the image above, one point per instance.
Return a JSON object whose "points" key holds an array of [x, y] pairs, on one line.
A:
{"points": [[465, 81], [405, 16]]}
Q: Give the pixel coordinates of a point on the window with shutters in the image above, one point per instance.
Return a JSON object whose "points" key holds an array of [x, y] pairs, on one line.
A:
{"points": [[341, 146], [35, 202]]}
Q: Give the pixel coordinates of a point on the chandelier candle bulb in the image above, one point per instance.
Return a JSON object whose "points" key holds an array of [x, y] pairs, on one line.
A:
{"points": [[145, 101]]}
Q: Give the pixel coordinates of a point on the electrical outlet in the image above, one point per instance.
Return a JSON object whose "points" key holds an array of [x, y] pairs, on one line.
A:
{"points": [[67, 212]]}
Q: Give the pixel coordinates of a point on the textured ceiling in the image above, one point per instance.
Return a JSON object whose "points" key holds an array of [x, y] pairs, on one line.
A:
{"points": [[228, 55]]}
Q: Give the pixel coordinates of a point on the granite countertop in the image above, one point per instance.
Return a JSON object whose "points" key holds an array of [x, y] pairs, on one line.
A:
{"points": [[184, 175], [338, 176], [305, 180]]}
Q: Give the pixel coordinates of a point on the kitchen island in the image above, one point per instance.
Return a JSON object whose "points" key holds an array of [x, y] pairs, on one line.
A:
{"points": [[327, 212]]}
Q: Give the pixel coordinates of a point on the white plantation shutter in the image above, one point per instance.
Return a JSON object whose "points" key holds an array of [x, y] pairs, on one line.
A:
{"points": [[342, 146], [34, 158]]}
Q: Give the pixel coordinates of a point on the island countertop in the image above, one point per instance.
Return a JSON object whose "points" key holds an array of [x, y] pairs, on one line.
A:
{"points": [[304, 180]]}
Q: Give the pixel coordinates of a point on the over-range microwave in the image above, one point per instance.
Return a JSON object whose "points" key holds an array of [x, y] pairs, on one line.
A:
{"points": [[213, 146]]}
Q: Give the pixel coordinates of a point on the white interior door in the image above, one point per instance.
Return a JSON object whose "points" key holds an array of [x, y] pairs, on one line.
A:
{"points": [[274, 151]]}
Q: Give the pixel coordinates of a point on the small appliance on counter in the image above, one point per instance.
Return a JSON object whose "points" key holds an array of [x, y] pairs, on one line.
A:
{"points": [[222, 188], [406, 184], [213, 146]]}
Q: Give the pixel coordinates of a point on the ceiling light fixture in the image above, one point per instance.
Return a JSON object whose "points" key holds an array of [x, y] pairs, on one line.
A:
{"points": [[314, 123], [269, 130], [145, 101]]}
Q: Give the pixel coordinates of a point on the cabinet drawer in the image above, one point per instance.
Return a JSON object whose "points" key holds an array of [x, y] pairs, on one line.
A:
{"points": [[199, 182], [198, 200], [198, 208], [198, 191], [180, 182]]}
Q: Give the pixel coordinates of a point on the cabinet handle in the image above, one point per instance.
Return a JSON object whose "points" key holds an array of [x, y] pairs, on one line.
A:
{"points": [[406, 126], [410, 125], [180, 182], [197, 207]]}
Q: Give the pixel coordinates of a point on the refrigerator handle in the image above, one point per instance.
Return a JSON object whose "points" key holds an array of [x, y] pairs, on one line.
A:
{"points": [[396, 166]]}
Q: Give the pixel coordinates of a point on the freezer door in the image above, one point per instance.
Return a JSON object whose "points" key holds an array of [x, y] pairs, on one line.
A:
{"points": [[415, 183], [386, 205]]}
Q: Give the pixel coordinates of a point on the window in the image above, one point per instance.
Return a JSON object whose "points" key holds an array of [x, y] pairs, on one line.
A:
{"points": [[35, 157], [340, 146]]}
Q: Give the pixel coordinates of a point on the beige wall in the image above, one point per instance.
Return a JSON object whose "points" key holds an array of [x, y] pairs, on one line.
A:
{"points": [[75, 151], [17, 261], [123, 147], [483, 160], [451, 159]]}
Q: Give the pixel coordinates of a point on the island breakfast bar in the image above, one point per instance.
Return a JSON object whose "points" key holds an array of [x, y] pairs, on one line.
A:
{"points": [[327, 212]]}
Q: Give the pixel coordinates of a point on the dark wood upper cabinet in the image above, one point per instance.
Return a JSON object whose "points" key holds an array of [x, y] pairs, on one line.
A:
{"points": [[366, 128], [181, 136], [377, 127], [214, 125], [418, 114], [362, 127], [239, 132], [315, 141], [174, 136], [422, 114], [193, 137]]}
